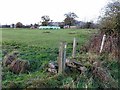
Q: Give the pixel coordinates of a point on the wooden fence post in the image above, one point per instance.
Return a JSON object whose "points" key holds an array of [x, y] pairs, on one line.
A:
{"points": [[103, 40], [74, 48], [64, 58], [60, 58]]}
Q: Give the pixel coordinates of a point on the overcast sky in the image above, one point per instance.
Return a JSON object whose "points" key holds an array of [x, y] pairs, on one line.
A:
{"points": [[30, 11]]}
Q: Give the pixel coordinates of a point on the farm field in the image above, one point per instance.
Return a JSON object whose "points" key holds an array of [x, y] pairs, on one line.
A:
{"points": [[39, 47], [46, 38]]}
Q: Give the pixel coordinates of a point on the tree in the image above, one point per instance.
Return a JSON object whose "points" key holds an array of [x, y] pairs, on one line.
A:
{"points": [[36, 25], [13, 25], [45, 19], [110, 22], [70, 18], [19, 25], [88, 25]]}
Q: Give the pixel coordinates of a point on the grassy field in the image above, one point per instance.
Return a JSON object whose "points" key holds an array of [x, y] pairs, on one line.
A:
{"points": [[40, 47], [49, 38]]}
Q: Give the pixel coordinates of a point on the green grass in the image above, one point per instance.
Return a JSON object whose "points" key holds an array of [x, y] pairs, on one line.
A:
{"points": [[39, 38], [36, 46], [39, 48]]}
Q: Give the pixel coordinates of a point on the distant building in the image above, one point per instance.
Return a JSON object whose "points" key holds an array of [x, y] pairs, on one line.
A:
{"points": [[77, 24], [55, 23], [66, 26], [5, 26], [80, 24]]}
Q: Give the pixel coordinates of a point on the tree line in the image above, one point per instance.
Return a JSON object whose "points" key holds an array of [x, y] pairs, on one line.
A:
{"points": [[109, 22], [70, 20]]}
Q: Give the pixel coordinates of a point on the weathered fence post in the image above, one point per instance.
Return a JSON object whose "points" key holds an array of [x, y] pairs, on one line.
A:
{"points": [[103, 40], [74, 48], [62, 57]]}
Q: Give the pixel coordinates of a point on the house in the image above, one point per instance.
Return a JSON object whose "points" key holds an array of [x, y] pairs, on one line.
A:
{"points": [[60, 24], [80, 24], [77, 24]]}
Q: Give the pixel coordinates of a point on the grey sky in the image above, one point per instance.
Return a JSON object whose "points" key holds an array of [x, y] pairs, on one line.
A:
{"points": [[30, 11]]}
